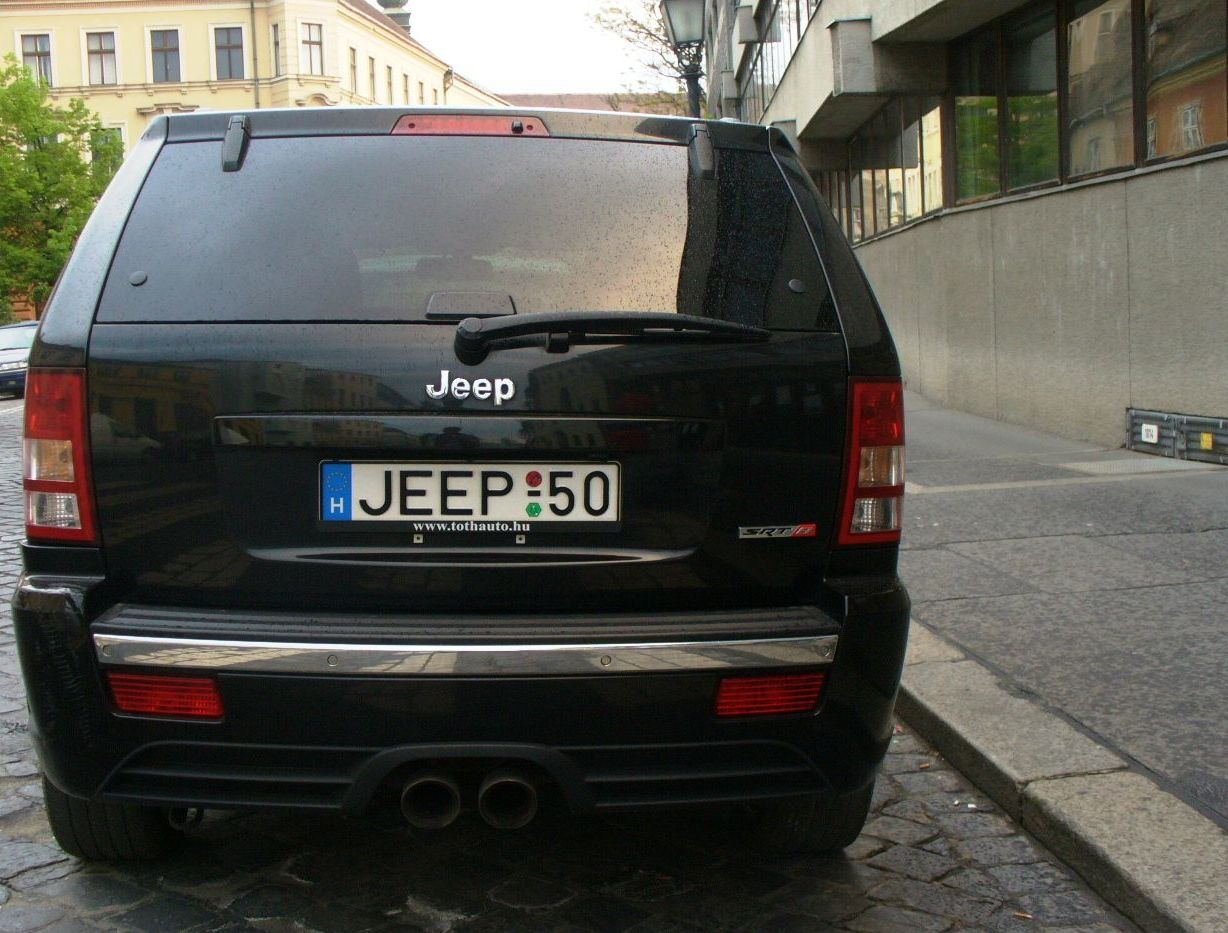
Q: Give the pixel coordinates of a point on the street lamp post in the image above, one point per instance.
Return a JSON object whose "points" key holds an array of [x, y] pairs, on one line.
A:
{"points": [[684, 24]]}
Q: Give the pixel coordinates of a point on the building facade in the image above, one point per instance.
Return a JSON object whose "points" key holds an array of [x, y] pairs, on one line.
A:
{"points": [[131, 60], [1038, 191]]}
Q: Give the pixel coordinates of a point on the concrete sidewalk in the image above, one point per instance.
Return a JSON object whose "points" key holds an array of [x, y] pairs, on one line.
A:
{"points": [[1068, 650]]}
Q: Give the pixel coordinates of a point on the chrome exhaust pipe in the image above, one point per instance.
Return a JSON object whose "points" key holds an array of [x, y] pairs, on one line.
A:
{"points": [[507, 800], [430, 800]]}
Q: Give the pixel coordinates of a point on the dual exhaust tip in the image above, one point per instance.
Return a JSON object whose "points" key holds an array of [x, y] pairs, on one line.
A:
{"points": [[507, 799]]}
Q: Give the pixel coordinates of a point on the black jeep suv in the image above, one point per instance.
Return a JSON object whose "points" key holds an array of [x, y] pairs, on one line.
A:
{"points": [[430, 459]]}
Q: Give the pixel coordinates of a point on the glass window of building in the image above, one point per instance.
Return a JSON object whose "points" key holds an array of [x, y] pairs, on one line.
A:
{"points": [[354, 69], [276, 50], [977, 157], [371, 77], [164, 49], [36, 56], [388, 82], [405, 88], [100, 50], [228, 46], [931, 153], [856, 227], [313, 50], [421, 93], [1030, 43], [889, 162], [912, 168], [1185, 77], [1100, 88]]}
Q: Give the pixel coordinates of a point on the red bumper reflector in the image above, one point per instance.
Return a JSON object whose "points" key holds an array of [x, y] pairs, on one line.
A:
{"points": [[769, 696], [191, 697]]}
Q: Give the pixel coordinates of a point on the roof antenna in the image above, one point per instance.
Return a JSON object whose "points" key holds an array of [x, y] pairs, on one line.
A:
{"points": [[234, 143]]}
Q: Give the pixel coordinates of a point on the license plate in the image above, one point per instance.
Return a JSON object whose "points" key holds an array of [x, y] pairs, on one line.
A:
{"points": [[448, 497]]}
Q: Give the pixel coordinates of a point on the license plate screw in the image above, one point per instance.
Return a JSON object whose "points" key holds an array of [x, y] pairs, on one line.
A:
{"points": [[332, 660], [521, 539], [606, 660], [418, 539]]}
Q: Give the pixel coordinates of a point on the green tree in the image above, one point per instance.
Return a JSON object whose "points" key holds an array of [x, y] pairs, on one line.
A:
{"points": [[54, 164]]}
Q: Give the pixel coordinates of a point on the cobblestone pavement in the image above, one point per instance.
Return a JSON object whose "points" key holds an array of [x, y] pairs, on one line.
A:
{"points": [[935, 856]]}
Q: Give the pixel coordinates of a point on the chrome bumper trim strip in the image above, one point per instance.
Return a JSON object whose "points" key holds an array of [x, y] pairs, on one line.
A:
{"points": [[483, 660]]}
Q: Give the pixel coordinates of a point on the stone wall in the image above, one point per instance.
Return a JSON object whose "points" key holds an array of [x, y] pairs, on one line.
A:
{"points": [[1060, 310]]}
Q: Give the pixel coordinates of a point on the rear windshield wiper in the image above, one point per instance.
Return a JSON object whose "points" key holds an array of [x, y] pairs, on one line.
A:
{"points": [[562, 328]]}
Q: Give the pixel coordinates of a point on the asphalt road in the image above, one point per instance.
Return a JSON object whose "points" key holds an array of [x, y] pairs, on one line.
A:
{"points": [[935, 856], [1093, 579]]}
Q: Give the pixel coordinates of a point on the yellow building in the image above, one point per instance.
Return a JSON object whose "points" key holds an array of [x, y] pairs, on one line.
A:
{"points": [[131, 60]]}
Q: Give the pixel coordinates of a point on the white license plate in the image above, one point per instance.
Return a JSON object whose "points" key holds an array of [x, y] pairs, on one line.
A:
{"points": [[470, 496]]}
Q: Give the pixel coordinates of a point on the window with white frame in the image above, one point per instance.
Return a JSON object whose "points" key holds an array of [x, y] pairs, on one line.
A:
{"points": [[1191, 127], [164, 55], [312, 36], [228, 52], [353, 69], [100, 50], [36, 56]]}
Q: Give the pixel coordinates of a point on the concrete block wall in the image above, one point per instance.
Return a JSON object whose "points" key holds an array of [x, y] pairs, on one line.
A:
{"points": [[1061, 310]]}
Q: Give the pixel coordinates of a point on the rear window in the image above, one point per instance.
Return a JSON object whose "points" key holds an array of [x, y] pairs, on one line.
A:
{"points": [[371, 228], [16, 338]]}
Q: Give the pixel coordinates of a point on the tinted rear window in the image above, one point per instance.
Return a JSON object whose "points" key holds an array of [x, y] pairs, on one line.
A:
{"points": [[369, 228]]}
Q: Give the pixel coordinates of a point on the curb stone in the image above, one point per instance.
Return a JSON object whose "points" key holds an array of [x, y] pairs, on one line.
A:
{"points": [[1148, 853]]}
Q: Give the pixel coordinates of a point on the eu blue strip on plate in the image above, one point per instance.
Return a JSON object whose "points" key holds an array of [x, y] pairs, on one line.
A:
{"points": [[335, 492]]}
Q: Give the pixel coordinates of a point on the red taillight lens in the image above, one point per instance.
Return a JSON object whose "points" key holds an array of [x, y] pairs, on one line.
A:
{"points": [[874, 485], [56, 473], [769, 696], [460, 124], [153, 695]]}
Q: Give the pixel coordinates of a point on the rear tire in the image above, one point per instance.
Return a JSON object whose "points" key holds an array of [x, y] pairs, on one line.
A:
{"points": [[815, 824], [96, 830]]}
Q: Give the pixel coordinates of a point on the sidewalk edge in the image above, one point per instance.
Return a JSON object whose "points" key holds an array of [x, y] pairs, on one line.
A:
{"points": [[1149, 854]]}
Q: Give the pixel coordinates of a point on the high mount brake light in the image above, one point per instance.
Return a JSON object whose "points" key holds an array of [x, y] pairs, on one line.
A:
{"points": [[874, 474], [460, 124], [56, 473]]}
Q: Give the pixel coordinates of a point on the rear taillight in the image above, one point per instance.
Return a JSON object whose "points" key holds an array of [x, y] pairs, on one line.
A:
{"points": [[158, 695], [874, 484], [56, 473], [769, 696], [467, 124]]}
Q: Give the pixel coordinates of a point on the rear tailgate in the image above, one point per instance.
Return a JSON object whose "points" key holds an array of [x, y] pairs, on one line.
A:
{"points": [[277, 419]]}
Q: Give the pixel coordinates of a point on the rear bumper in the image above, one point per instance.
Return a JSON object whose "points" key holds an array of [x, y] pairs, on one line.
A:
{"points": [[611, 721]]}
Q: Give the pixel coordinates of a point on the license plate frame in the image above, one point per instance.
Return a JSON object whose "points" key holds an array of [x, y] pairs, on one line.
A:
{"points": [[466, 483]]}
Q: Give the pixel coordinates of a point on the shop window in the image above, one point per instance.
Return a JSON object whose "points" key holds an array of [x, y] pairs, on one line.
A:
{"points": [[1185, 75], [1030, 43], [1100, 104]]}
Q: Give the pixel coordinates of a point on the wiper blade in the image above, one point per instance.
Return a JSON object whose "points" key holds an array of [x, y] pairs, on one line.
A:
{"points": [[475, 335]]}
